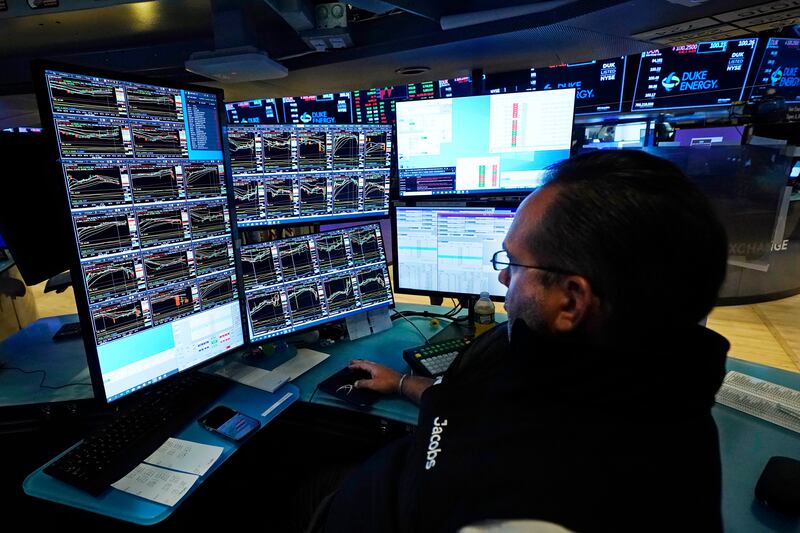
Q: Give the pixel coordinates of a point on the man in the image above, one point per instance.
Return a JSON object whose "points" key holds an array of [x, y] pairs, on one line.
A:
{"points": [[591, 407]]}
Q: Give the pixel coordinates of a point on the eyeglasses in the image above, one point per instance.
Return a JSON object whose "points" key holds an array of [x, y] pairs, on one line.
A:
{"points": [[501, 261]]}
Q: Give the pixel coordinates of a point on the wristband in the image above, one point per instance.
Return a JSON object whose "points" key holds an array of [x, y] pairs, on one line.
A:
{"points": [[400, 384]]}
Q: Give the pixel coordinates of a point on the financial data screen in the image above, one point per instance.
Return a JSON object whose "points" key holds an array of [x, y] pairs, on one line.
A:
{"points": [[331, 108], [693, 75], [482, 144], [779, 70], [305, 281], [448, 249], [145, 180], [297, 173], [598, 84], [379, 105], [263, 111]]}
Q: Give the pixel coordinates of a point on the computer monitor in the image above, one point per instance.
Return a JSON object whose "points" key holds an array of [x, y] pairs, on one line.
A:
{"points": [[475, 145], [726, 135], [330, 108], [145, 192], [693, 75], [598, 83], [303, 282], [260, 111], [379, 105], [779, 70], [447, 250], [287, 174], [630, 134]]}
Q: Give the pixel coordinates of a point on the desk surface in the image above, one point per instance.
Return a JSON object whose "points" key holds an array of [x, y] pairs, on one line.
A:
{"points": [[746, 443]]}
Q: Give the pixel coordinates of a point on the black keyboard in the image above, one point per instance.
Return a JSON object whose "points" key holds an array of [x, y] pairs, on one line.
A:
{"points": [[115, 449], [433, 359]]}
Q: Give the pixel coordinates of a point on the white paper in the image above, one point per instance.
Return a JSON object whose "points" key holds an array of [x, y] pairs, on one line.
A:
{"points": [[364, 324], [379, 319], [185, 456], [252, 376], [357, 326], [301, 363], [156, 484]]}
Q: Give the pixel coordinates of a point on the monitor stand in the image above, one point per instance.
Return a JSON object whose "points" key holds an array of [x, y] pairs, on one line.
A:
{"points": [[459, 330]]}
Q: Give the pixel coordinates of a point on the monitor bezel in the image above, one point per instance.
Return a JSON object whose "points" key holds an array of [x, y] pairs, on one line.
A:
{"points": [[496, 203], [38, 69], [470, 196]]}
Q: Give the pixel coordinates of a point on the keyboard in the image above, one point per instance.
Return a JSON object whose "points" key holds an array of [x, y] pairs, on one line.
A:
{"points": [[762, 399], [435, 358], [112, 451]]}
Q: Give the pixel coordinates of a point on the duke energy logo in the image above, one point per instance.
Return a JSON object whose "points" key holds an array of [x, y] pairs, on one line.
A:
{"points": [[776, 77], [670, 81]]}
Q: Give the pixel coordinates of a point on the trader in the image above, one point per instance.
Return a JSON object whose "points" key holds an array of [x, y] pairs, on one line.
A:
{"points": [[591, 407]]}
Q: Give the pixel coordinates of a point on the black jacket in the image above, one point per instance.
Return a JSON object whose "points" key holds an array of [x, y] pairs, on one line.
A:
{"points": [[592, 439]]}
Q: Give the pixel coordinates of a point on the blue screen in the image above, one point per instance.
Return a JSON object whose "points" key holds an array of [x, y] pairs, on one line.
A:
{"points": [[477, 144]]}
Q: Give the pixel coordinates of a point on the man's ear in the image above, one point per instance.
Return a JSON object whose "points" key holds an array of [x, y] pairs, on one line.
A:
{"points": [[576, 303]]}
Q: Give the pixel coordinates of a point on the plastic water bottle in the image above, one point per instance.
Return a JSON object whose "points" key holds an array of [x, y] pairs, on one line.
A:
{"points": [[484, 314]]}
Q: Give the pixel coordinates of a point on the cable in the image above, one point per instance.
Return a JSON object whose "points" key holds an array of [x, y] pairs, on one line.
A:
{"points": [[14, 307], [414, 326], [311, 400], [44, 377]]}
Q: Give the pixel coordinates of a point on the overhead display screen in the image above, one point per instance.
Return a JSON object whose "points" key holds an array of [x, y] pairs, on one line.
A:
{"points": [[331, 108], [693, 75], [378, 105], [598, 84], [263, 111], [779, 70]]}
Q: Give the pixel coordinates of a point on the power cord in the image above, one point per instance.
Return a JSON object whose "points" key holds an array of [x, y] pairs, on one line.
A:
{"points": [[44, 377], [401, 315]]}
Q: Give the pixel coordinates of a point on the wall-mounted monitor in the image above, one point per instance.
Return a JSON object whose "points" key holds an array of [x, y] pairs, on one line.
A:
{"points": [[779, 70], [378, 106], [330, 108], [598, 84], [500, 143], [261, 111], [693, 75], [287, 174], [306, 281]]}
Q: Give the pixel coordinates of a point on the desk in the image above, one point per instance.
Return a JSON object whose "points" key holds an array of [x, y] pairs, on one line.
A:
{"points": [[746, 443]]}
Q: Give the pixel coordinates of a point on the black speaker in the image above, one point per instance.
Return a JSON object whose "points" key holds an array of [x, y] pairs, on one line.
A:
{"points": [[779, 485]]}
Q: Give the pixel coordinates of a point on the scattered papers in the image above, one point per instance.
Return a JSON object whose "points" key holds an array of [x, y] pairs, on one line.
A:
{"points": [[156, 484], [271, 380], [185, 456], [183, 463], [252, 376]]}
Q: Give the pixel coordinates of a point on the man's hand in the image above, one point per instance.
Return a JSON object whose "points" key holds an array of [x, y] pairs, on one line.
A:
{"points": [[387, 381], [382, 379]]}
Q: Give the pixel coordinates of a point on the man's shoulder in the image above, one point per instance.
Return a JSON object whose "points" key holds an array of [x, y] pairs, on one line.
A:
{"points": [[484, 353]]}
